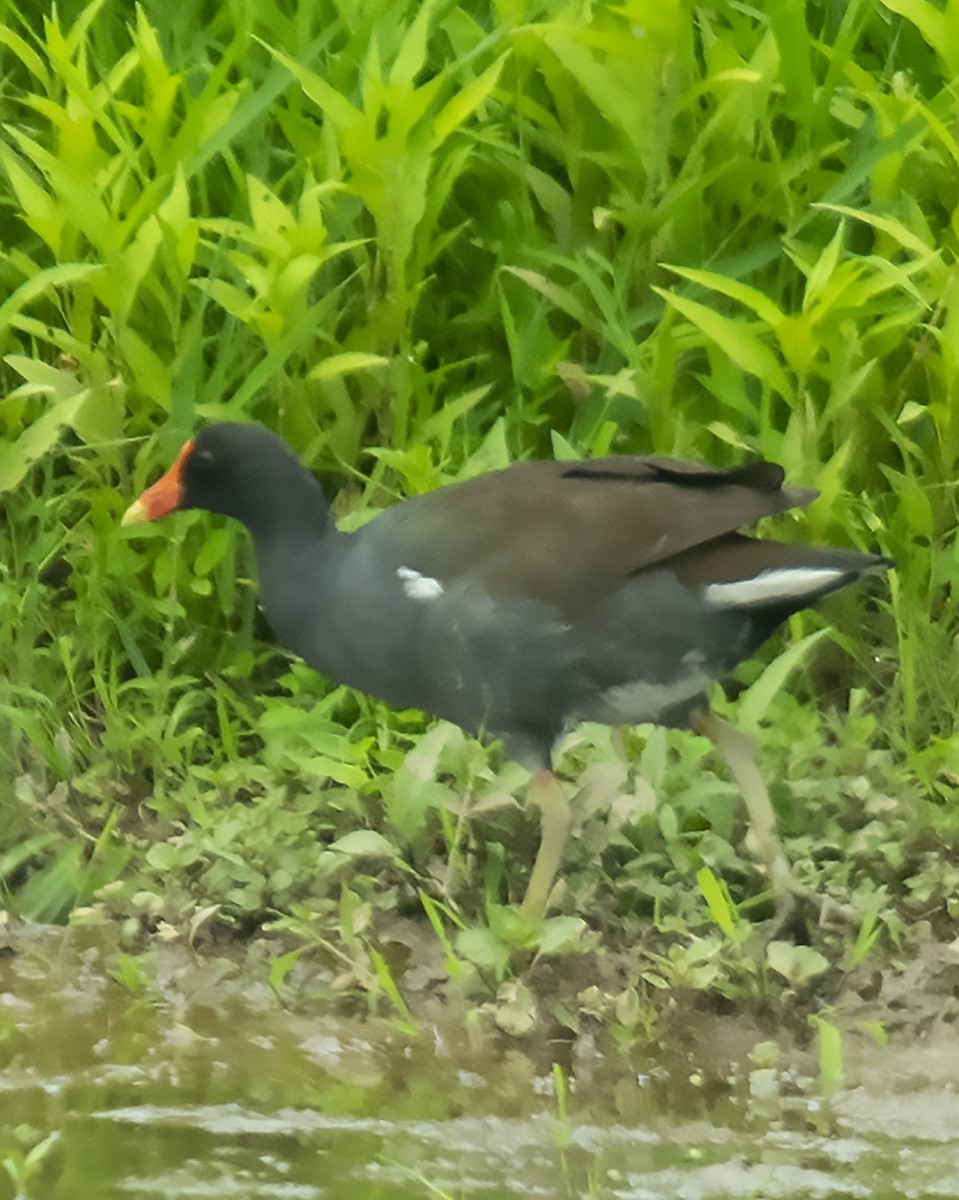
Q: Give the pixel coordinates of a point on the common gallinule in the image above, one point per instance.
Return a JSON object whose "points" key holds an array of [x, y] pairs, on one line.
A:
{"points": [[522, 601]]}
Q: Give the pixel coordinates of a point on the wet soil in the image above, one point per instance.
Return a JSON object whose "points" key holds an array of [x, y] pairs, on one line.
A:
{"points": [[184, 1074]]}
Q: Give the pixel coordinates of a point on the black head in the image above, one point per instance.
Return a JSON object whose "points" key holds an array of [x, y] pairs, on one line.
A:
{"points": [[241, 470], [233, 469]]}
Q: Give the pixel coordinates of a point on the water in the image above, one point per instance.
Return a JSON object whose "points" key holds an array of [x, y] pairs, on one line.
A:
{"points": [[194, 1082]]}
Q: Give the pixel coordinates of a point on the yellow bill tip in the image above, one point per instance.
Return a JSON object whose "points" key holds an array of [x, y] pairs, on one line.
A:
{"points": [[136, 513]]}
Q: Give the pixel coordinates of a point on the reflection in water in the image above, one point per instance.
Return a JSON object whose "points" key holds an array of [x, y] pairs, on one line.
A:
{"points": [[201, 1085]]}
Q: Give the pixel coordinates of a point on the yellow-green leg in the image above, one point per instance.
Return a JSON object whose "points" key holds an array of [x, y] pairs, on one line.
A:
{"points": [[548, 793], [738, 751]]}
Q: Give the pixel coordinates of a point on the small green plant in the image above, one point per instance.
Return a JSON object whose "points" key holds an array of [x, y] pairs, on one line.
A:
{"points": [[831, 1071], [24, 1165]]}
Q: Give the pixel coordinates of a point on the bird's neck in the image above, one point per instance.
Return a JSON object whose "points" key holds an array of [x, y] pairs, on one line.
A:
{"points": [[293, 515], [297, 552]]}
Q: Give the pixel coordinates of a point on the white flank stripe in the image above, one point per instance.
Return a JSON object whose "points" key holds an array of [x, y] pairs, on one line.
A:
{"points": [[417, 586], [639, 701], [783, 583]]}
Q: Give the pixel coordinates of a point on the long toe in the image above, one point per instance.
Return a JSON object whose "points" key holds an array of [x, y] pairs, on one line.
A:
{"points": [[800, 910]]}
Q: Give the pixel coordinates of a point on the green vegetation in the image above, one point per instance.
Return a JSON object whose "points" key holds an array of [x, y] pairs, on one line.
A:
{"points": [[420, 240]]}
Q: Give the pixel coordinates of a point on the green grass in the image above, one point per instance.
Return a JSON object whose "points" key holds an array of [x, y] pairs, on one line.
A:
{"points": [[421, 240]]}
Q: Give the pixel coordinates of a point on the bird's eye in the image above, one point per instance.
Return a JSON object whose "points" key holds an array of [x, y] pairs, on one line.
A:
{"points": [[205, 457]]}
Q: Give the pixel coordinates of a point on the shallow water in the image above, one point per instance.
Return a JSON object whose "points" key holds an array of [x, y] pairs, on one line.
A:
{"points": [[194, 1082]]}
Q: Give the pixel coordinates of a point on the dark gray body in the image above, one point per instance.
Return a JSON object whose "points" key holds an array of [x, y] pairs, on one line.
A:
{"points": [[517, 668], [522, 601]]}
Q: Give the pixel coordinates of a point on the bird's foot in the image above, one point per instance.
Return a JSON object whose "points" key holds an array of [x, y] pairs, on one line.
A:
{"points": [[799, 910]]}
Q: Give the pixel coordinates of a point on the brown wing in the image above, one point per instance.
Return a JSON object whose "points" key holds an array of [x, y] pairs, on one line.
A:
{"points": [[569, 534]]}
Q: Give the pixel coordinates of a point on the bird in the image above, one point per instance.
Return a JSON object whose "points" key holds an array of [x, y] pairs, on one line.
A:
{"points": [[520, 602]]}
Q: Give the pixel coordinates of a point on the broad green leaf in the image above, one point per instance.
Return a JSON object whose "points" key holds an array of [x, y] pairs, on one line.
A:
{"points": [[37, 207], [764, 308], [492, 455], [605, 87], [939, 28], [25, 54], [414, 465], [562, 297], [12, 859], [217, 122], [346, 363], [913, 500], [101, 420], [787, 20], [798, 341], [717, 901], [796, 964], [48, 895], [911, 411], [885, 224], [466, 101], [754, 703], [174, 215], [731, 437], [562, 450], [735, 339], [484, 949], [737, 75], [440, 425], [831, 1069], [16, 457], [41, 377], [824, 268], [282, 965], [271, 217], [412, 54], [213, 550], [561, 935], [151, 373], [340, 111], [136, 260], [409, 799], [234, 300], [364, 843], [348, 774], [81, 202], [388, 983]]}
